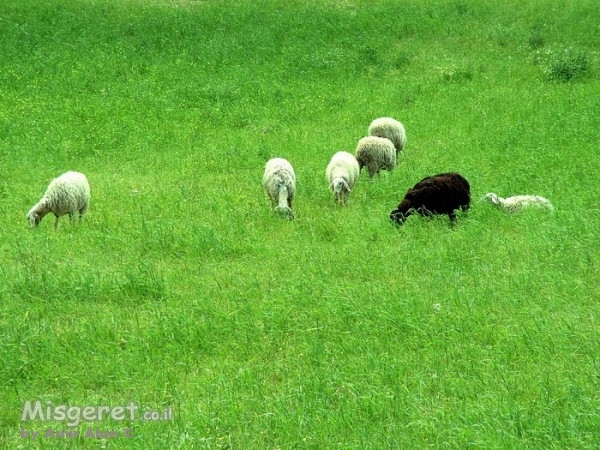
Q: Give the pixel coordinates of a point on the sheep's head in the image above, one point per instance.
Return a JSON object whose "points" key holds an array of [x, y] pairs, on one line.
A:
{"points": [[339, 186], [397, 217], [493, 198], [37, 213], [400, 214]]}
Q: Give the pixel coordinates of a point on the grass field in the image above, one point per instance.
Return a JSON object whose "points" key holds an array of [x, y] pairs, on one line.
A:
{"points": [[180, 289]]}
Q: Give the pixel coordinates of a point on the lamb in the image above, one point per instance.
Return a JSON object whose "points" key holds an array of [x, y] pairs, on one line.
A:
{"points": [[375, 153], [438, 194], [279, 181], [67, 194], [390, 128], [342, 172], [518, 202]]}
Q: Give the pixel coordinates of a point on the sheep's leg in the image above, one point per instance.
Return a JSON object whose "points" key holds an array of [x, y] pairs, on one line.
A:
{"points": [[372, 171], [452, 217], [56, 222], [82, 211]]}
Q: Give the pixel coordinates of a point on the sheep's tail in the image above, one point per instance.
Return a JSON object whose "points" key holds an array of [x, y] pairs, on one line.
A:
{"points": [[283, 206], [285, 211], [283, 196]]}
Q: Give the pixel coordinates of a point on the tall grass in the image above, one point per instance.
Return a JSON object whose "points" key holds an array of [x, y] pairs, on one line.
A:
{"points": [[181, 289]]}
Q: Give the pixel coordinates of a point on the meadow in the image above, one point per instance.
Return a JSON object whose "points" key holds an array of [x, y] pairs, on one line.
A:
{"points": [[181, 289]]}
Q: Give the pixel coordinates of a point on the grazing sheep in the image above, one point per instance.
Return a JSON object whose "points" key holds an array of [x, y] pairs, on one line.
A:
{"points": [[390, 128], [518, 202], [376, 153], [67, 194], [439, 194], [342, 172], [279, 180]]}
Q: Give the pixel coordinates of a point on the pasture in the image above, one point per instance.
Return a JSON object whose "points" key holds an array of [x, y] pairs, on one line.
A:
{"points": [[181, 289]]}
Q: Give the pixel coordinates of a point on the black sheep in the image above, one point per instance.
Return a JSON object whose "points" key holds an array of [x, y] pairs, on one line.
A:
{"points": [[439, 194]]}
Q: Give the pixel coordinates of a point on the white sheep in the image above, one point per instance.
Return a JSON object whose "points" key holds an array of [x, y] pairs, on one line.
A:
{"points": [[66, 194], [342, 172], [390, 128], [376, 153], [279, 181], [518, 202]]}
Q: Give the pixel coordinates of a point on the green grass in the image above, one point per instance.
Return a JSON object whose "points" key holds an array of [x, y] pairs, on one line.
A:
{"points": [[337, 330]]}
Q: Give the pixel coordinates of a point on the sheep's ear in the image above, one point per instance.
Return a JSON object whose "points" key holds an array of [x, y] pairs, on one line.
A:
{"points": [[346, 186]]}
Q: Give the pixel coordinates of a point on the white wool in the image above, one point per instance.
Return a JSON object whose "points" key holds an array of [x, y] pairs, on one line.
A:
{"points": [[518, 202], [342, 172], [376, 153], [279, 181], [67, 194], [390, 128]]}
